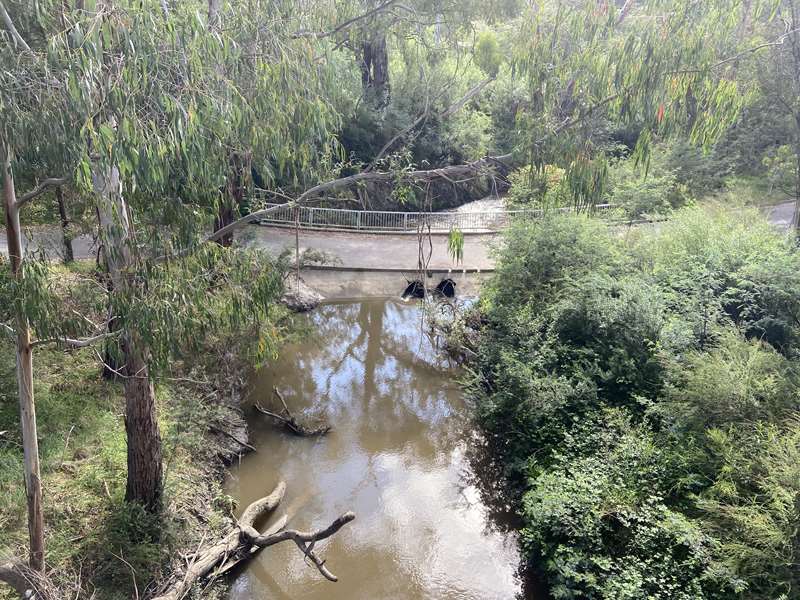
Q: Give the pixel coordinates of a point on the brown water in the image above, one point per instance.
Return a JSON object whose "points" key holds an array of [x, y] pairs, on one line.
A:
{"points": [[397, 457]]}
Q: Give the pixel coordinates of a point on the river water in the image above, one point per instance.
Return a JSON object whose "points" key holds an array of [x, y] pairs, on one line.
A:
{"points": [[400, 455]]}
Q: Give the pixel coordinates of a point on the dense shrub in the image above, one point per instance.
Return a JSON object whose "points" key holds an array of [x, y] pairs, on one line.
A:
{"points": [[641, 395], [599, 520]]}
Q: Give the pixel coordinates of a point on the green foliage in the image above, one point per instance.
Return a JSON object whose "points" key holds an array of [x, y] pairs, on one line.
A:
{"points": [[781, 166], [487, 53], [641, 397], [752, 508], [598, 518], [455, 245], [636, 195], [736, 382], [538, 257]]}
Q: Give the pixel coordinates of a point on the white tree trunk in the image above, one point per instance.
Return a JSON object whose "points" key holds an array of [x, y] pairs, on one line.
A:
{"points": [[24, 350]]}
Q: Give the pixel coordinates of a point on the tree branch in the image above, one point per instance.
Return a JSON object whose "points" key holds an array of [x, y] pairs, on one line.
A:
{"points": [[18, 39], [323, 34], [453, 108], [76, 343], [9, 330], [244, 541], [41, 189], [14, 574], [776, 42]]}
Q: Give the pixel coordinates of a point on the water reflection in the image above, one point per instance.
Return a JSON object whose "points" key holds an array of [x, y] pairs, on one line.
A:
{"points": [[396, 457]]}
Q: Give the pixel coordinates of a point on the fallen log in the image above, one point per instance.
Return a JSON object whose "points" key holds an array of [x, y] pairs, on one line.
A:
{"points": [[245, 541], [28, 583], [289, 420]]}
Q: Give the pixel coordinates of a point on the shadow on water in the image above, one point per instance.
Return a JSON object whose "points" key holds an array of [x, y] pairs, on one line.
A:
{"points": [[402, 455]]}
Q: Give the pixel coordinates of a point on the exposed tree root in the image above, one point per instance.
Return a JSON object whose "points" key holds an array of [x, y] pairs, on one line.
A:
{"points": [[290, 422], [245, 541]]}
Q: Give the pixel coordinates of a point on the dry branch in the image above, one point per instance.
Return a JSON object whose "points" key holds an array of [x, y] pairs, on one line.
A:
{"points": [[245, 540], [289, 420], [28, 583], [346, 25]]}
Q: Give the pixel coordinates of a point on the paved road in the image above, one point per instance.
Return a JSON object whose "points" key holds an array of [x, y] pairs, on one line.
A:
{"points": [[354, 251]]}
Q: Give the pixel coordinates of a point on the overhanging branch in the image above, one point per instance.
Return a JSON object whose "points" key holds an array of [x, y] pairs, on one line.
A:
{"points": [[452, 173], [76, 343], [346, 24], [41, 189]]}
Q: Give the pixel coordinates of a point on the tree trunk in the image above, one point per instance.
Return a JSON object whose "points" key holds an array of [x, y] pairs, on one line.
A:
{"points": [[144, 482], [233, 197], [69, 255], [144, 439], [375, 69], [214, 7], [27, 407], [224, 218]]}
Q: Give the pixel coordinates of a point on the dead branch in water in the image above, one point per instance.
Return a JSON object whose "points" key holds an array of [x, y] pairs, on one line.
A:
{"points": [[290, 422], [245, 541]]}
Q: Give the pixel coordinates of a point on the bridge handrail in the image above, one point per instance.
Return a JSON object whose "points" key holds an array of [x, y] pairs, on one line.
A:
{"points": [[312, 217]]}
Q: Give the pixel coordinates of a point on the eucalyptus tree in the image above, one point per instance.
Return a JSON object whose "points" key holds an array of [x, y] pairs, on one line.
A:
{"points": [[659, 66], [141, 110], [169, 104]]}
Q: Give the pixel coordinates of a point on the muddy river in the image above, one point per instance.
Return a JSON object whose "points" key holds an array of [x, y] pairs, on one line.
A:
{"points": [[400, 456]]}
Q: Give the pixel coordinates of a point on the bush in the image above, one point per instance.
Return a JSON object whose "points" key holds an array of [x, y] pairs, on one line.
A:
{"points": [[537, 258], [641, 396], [737, 382], [599, 520], [753, 506]]}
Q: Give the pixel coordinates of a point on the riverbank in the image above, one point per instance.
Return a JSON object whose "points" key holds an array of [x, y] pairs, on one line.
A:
{"points": [[639, 397], [96, 543]]}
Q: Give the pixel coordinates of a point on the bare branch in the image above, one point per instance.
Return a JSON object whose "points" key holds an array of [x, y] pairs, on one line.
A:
{"points": [[779, 41], [18, 39], [9, 330], [259, 507], [16, 575], [345, 25], [244, 541], [456, 106], [41, 189], [305, 540], [451, 173], [76, 343], [290, 422], [453, 108], [624, 12]]}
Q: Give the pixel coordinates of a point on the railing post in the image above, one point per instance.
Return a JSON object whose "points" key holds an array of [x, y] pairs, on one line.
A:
{"points": [[311, 215], [405, 221], [358, 220]]}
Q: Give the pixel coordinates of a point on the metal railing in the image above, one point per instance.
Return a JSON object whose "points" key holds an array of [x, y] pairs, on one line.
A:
{"points": [[311, 217]]}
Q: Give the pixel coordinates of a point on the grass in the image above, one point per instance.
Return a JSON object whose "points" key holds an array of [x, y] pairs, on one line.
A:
{"points": [[89, 527]]}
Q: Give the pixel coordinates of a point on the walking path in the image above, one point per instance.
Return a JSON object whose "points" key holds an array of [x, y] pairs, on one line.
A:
{"points": [[354, 251]]}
